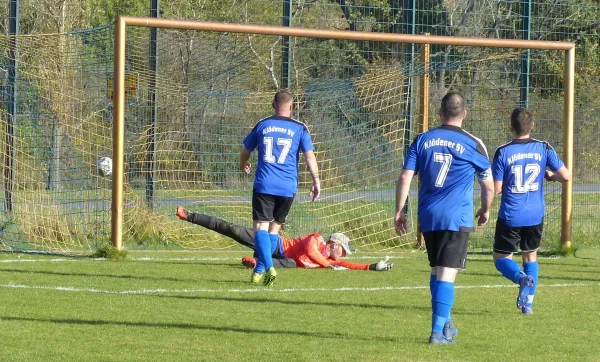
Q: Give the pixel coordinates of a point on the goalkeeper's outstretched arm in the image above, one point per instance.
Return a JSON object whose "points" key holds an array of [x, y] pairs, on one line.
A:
{"points": [[381, 265]]}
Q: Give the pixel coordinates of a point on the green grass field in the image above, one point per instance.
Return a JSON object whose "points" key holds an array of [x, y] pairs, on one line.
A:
{"points": [[184, 306]]}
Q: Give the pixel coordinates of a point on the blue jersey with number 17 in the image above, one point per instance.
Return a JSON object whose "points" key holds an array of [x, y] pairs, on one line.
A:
{"points": [[279, 141], [521, 165], [447, 159]]}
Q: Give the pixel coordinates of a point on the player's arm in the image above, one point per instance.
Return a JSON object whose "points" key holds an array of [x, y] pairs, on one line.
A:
{"points": [[244, 157], [409, 169], [558, 171], [349, 265], [381, 265], [402, 188], [313, 168], [560, 175], [498, 187], [487, 195], [312, 250], [498, 172]]}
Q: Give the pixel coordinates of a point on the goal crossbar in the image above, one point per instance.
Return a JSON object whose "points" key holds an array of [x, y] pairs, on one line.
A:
{"points": [[122, 22]]}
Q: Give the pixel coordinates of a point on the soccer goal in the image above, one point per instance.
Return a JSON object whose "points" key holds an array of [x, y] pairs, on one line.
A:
{"points": [[356, 99], [171, 111]]}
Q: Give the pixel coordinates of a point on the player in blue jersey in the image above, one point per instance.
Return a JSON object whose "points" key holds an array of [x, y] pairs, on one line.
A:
{"points": [[446, 158], [279, 140], [519, 168]]}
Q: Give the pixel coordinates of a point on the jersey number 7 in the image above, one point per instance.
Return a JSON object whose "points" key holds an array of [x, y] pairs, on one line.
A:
{"points": [[446, 160]]}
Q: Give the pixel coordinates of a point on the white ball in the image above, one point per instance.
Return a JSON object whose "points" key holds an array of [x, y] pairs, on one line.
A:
{"points": [[104, 166]]}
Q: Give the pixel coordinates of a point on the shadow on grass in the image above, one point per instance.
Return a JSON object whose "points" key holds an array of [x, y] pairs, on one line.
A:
{"points": [[211, 263], [567, 262], [129, 277], [424, 308], [194, 326], [543, 277]]}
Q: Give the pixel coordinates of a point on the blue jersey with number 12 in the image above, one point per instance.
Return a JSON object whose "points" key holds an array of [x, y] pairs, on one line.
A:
{"points": [[521, 165], [447, 158], [279, 141]]}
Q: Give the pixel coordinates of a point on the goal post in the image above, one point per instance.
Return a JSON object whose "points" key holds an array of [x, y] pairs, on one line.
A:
{"points": [[122, 23]]}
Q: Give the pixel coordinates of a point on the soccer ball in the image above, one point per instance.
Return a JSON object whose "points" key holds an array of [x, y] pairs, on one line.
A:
{"points": [[104, 166]]}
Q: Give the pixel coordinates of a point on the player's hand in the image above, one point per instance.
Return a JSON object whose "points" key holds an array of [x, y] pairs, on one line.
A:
{"points": [[400, 223], [383, 265], [548, 175], [482, 217], [337, 267], [315, 192], [247, 168]]}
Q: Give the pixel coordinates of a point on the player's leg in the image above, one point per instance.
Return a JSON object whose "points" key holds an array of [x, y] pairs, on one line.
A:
{"points": [[442, 295], [278, 262], [530, 243], [453, 257], [280, 212], [449, 330], [281, 209], [283, 262], [262, 214], [262, 245], [274, 228], [240, 234], [279, 259], [506, 240]]}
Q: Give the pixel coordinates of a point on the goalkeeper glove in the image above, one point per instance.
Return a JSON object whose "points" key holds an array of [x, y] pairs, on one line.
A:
{"points": [[382, 265]]}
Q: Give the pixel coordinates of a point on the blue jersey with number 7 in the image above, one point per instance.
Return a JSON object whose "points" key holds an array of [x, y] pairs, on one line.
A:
{"points": [[447, 159], [521, 165], [279, 141]]}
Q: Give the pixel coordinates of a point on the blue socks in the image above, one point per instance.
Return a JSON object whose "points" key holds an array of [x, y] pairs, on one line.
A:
{"points": [[262, 243], [532, 269], [510, 269], [274, 242], [432, 280], [442, 300]]}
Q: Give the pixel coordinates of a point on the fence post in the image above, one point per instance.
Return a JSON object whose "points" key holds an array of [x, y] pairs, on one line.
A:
{"points": [[151, 133], [12, 103], [285, 47], [526, 55]]}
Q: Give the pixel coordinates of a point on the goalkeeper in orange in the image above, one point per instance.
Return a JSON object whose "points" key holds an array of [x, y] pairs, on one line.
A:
{"points": [[309, 251]]}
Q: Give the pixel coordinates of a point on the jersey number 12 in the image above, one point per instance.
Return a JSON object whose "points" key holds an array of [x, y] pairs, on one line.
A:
{"points": [[531, 169]]}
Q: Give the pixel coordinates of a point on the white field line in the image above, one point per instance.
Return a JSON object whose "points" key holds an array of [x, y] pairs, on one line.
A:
{"points": [[55, 260], [268, 290], [237, 258], [374, 257]]}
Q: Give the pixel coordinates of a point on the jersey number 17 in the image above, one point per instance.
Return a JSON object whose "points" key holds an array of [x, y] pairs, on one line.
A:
{"points": [[269, 157]]}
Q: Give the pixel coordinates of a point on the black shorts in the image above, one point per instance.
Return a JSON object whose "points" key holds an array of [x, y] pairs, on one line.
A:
{"points": [[268, 208], [447, 248], [506, 238]]}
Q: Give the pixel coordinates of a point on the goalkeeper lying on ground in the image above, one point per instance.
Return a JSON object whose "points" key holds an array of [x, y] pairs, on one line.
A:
{"points": [[309, 251]]}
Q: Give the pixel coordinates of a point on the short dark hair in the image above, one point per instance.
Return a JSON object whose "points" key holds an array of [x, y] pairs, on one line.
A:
{"points": [[282, 97], [521, 121], [453, 105]]}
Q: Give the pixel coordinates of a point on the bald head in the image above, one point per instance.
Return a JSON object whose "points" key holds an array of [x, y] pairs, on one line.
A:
{"points": [[453, 107], [283, 102]]}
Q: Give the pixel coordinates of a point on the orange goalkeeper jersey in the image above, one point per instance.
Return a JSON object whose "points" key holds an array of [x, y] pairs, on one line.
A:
{"points": [[310, 252]]}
